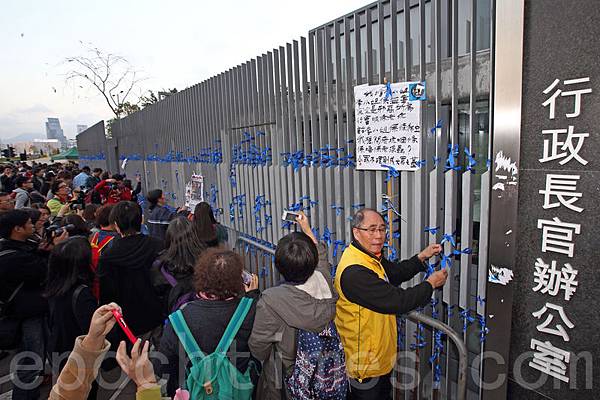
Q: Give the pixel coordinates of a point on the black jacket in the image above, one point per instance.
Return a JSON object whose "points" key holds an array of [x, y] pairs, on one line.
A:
{"points": [[124, 275], [207, 320], [70, 317], [8, 183], [22, 262]]}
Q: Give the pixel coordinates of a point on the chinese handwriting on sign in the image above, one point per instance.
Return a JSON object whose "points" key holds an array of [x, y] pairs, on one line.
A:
{"points": [[388, 127], [561, 145]]}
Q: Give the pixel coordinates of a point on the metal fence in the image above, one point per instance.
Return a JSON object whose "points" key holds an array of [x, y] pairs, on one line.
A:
{"points": [[277, 132]]}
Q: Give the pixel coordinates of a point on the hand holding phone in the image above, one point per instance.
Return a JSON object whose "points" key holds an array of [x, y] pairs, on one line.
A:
{"points": [[289, 216], [246, 277], [119, 317]]}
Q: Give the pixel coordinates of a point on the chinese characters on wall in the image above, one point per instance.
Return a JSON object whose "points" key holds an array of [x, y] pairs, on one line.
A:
{"points": [[558, 283], [388, 127]]}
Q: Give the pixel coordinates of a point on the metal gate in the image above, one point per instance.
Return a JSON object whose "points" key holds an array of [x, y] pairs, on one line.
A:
{"points": [[277, 132]]}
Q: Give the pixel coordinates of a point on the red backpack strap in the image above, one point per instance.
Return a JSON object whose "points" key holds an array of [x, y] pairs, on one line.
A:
{"points": [[104, 242]]}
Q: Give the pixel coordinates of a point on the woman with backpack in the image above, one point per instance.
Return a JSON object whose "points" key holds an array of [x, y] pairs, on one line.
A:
{"points": [[69, 296], [218, 322], [296, 318], [173, 271]]}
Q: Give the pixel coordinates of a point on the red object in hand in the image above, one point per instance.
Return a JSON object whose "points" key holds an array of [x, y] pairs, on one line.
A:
{"points": [[124, 326]]}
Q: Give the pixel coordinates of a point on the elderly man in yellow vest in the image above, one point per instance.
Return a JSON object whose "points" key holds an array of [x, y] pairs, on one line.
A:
{"points": [[370, 299]]}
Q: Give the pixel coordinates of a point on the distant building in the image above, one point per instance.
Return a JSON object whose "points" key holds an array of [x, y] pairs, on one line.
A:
{"points": [[54, 131], [81, 128], [47, 146]]}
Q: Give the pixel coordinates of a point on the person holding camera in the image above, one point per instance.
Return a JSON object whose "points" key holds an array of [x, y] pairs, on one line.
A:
{"points": [[23, 269], [61, 198], [112, 190]]}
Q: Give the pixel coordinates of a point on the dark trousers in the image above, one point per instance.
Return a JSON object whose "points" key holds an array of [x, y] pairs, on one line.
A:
{"points": [[29, 362], [378, 388]]}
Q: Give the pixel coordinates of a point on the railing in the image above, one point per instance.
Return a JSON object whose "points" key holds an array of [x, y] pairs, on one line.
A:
{"points": [[414, 316]]}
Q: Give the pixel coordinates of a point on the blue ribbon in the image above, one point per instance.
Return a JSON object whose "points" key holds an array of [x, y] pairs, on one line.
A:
{"points": [[448, 238], [452, 163], [467, 319], [436, 160], [391, 173], [434, 312], [439, 125], [479, 299], [471, 160], [358, 205], [421, 163], [446, 261], [430, 270], [420, 339], [466, 250], [432, 230], [336, 244], [327, 237], [338, 209], [483, 329], [388, 91], [93, 157]]}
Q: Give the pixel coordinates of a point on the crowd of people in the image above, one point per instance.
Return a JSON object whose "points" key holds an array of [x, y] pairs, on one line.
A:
{"points": [[78, 254]]}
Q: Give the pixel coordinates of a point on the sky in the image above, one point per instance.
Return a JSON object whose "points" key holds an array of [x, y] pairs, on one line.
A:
{"points": [[173, 45]]}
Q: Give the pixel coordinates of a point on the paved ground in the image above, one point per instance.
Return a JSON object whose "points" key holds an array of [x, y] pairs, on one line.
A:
{"points": [[115, 386]]}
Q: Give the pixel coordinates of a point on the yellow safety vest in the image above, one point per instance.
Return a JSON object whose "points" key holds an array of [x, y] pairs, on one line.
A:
{"points": [[369, 338]]}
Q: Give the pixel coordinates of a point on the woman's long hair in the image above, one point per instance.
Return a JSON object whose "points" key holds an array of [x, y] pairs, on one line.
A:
{"points": [[204, 224], [182, 247], [69, 266]]}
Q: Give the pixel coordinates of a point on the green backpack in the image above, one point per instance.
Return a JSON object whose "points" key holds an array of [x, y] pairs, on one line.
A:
{"points": [[213, 376]]}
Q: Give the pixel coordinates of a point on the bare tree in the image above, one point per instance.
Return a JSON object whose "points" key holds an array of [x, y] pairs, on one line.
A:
{"points": [[109, 74]]}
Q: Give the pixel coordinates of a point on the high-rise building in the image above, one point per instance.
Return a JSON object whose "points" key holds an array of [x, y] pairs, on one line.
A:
{"points": [[81, 128], [54, 131]]}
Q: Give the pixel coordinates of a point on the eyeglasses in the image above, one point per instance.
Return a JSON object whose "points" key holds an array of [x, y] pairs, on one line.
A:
{"points": [[373, 230]]}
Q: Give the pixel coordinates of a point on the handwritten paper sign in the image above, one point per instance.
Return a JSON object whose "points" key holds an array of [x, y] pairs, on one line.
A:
{"points": [[388, 126], [194, 191]]}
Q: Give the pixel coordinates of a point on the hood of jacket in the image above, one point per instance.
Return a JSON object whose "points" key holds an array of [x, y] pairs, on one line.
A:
{"points": [[299, 309]]}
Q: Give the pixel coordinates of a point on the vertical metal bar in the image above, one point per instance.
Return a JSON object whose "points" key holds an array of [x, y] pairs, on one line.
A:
{"points": [[305, 123], [408, 42], [508, 61], [468, 178], [349, 173], [296, 141], [370, 177], [322, 127], [315, 90], [394, 73], [330, 135], [338, 140], [359, 176]]}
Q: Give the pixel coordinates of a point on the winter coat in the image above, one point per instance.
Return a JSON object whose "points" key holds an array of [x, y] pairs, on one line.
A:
{"points": [[124, 275], [207, 320], [23, 263], [158, 219]]}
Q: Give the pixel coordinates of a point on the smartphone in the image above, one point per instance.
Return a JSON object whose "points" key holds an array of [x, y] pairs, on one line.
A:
{"points": [[119, 317], [289, 215], [246, 277]]}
